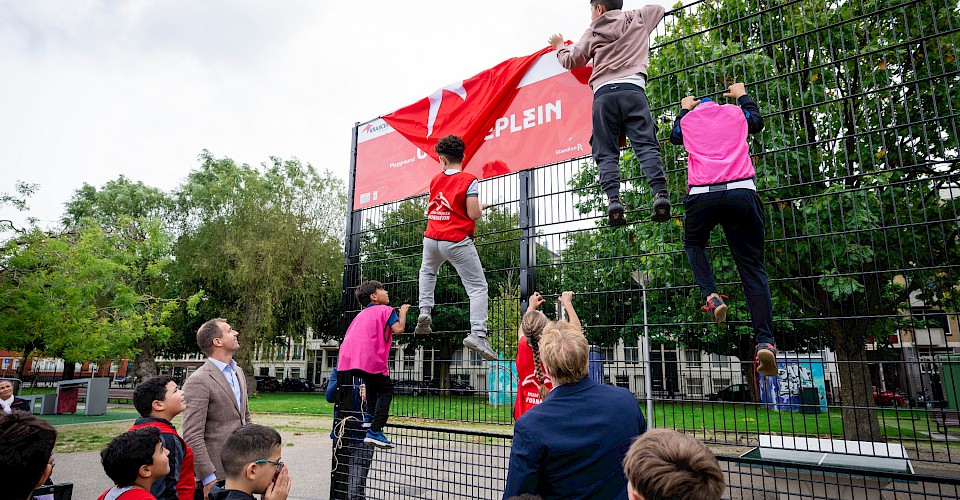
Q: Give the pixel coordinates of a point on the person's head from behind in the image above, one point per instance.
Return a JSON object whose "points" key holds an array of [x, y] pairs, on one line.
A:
{"points": [[532, 325], [136, 457], [372, 292], [665, 464], [6, 389], [251, 458], [159, 397], [564, 351], [601, 7], [26, 445], [450, 150], [216, 337]]}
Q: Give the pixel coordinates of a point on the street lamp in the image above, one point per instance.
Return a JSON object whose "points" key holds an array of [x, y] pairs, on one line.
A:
{"points": [[643, 280]]}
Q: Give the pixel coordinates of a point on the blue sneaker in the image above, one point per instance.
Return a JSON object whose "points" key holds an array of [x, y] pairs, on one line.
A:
{"points": [[378, 439], [367, 420]]}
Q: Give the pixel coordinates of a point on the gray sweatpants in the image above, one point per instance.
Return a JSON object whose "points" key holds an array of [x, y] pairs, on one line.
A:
{"points": [[463, 255]]}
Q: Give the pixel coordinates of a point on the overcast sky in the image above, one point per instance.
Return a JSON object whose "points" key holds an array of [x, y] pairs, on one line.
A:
{"points": [[95, 89]]}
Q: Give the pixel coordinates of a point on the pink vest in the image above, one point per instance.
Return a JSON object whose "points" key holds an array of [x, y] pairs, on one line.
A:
{"points": [[366, 346], [715, 137]]}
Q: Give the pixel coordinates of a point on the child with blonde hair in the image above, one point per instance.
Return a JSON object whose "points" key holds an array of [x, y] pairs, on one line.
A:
{"points": [[534, 385]]}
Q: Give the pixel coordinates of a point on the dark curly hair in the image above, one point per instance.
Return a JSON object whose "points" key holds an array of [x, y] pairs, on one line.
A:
{"points": [[609, 4], [365, 290], [450, 147]]}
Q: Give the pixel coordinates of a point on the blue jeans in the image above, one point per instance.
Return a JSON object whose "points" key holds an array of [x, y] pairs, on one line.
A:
{"points": [[740, 214]]}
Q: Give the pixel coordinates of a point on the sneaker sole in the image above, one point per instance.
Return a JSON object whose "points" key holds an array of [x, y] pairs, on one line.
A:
{"points": [[367, 425], [423, 327], [767, 363], [378, 444], [473, 346], [720, 313]]}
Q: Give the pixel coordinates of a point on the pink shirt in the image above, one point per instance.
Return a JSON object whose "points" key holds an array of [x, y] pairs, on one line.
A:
{"points": [[366, 346], [715, 136]]}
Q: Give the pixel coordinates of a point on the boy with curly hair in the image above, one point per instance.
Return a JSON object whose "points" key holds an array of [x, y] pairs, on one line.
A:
{"points": [[618, 43], [452, 214]]}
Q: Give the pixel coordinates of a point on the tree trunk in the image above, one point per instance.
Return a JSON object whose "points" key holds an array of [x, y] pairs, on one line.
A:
{"points": [[145, 365], [244, 359], [860, 421], [23, 362], [446, 351], [69, 370]]}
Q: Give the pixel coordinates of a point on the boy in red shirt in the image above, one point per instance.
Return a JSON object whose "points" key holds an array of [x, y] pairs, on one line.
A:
{"points": [[452, 214], [134, 460], [158, 400]]}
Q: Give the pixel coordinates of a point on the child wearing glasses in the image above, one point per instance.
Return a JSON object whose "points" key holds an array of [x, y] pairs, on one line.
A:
{"points": [[251, 463]]}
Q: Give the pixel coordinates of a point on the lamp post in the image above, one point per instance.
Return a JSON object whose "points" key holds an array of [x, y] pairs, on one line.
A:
{"points": [[642, 279]]}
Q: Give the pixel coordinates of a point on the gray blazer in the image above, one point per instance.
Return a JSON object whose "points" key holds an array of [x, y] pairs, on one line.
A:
{"points": [[211, 416]]}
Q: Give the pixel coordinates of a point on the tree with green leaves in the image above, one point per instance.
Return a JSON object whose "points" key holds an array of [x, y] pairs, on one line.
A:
{"points": [[265, 246], [857, 150]]}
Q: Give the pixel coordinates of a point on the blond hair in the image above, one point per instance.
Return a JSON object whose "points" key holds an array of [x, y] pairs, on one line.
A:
{"points": [[564, 350], [663, 463], [532, 326]]}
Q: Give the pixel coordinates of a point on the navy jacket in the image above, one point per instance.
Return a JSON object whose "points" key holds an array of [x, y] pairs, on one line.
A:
{"points": [[20, 404], [572, 445]]}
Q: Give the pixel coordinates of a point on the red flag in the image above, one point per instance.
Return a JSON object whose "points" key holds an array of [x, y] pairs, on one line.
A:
{"points": [[468, 108]]}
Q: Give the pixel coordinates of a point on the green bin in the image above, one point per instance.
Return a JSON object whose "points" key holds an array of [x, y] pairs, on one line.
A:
{"points": [[950, 375]]}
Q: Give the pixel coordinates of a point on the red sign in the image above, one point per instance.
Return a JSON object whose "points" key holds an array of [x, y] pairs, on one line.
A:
{"points": [[549, 121]]}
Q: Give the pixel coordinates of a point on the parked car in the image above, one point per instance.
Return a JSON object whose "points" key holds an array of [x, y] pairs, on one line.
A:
{"points": [[408, 387], [739, 393], [267, 383], [457, 387], [887, 398], [296, 384]]}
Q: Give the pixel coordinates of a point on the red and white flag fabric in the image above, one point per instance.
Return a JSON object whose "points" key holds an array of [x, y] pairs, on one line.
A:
{"points": [[467, 109]]}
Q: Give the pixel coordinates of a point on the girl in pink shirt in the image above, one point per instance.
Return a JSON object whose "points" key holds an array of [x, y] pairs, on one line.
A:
{"points": [[364, 354]]}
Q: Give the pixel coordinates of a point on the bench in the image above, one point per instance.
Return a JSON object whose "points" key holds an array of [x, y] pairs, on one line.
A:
{"points": [[946, 418], [116, 394]]}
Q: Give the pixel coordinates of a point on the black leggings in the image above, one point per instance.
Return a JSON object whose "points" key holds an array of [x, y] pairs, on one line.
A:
{"points": [[379, 396]]}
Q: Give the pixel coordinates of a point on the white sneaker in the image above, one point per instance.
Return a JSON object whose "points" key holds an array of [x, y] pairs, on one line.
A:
{"points": [[423, 325], [481, 346]]}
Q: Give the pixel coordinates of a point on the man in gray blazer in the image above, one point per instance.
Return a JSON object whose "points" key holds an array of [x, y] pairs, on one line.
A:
{"points": [[216, 396]]}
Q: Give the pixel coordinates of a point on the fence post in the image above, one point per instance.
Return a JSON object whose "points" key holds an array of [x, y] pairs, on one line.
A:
{"points": [[351, 275], [528, 235]]}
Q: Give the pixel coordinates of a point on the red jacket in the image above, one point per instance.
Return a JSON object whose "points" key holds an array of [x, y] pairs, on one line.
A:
{"points": [[447, 218], [186, 482]]}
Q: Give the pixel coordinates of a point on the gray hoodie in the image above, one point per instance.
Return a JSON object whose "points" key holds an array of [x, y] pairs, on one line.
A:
{"points": [[618, 42]]}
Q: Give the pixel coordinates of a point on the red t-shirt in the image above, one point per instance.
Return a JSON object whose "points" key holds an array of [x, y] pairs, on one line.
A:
{"points": [[528, 394], [447, 218], [130, 494]]}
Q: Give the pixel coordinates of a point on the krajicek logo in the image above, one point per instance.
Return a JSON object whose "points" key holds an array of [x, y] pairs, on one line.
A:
{"points": [[373, 127]]}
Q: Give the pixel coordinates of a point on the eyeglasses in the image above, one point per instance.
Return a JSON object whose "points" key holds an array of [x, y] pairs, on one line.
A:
{"points": [[277, 463]]}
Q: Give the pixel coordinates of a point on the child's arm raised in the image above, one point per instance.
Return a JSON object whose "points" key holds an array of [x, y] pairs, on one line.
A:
{"points": [[566, 298], [401, 323], [533, 302], [750, 109]]}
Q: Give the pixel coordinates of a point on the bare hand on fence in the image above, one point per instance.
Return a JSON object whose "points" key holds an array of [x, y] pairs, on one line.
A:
{"points": [[689, 102], [534, 301], [403, 309], [566, 298], [736, 91]]}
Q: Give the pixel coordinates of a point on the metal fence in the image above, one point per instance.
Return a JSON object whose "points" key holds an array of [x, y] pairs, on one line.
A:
{"points": [[858, 170]]}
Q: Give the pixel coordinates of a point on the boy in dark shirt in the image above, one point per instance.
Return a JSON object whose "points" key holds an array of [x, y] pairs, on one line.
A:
{"points": [[158, 400]]}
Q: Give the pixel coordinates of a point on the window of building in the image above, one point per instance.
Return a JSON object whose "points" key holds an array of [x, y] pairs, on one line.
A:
{"points": [[693, 358], [475, 359], [631, 351], [264, 371], [409, 358], [282, 352], [278, 372], [298, 352], [457, 358], [930, 318], [294, 373]]}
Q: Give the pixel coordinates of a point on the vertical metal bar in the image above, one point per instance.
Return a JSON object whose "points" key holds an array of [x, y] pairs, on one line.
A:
{"points": [[528, 243]]}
